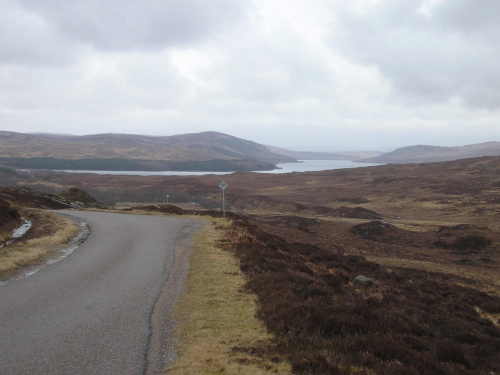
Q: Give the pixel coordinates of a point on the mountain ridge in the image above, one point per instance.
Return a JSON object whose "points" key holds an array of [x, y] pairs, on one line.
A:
{"points": [[206, 151], [313, 155], [154, 151], [428, 153]]}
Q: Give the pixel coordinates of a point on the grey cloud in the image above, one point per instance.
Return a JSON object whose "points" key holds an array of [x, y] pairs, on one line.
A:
{"points": [[270, 81], [133, 24], [27, 38], [467, 16], [261, 71], [428, 59], [184, 66]]}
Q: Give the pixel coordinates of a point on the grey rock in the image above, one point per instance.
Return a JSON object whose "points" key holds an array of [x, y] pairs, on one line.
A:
{"points": [[362, 281]]}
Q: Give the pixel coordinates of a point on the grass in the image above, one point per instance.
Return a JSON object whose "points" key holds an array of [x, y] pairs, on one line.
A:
{"points": [[48, 232], [220, 334]]}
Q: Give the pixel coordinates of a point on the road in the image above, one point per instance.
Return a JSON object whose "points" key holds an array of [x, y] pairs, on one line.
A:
{"points": [[90, 312]]}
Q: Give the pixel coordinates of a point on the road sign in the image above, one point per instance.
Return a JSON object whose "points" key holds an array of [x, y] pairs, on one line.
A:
{"points": [[223, 185]]}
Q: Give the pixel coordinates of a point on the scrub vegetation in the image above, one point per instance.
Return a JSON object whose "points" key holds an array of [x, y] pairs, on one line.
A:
{"points": [[409, 322], [99, 164]]}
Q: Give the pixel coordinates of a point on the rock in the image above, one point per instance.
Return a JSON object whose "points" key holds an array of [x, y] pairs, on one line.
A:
{"points": [[362, 281]]}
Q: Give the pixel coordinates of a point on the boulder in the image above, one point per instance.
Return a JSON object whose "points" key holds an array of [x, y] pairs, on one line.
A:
{"points": [[362, 281]]}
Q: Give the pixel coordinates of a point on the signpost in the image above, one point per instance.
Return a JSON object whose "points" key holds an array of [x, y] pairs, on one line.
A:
{"points": [[223, 185]]}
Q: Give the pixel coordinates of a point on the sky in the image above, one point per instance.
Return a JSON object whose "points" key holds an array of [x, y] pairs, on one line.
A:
{"points": [[310, 75]]}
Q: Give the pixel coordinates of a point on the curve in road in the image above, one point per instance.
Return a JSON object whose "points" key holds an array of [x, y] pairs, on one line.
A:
{"points": [[89, 313]]}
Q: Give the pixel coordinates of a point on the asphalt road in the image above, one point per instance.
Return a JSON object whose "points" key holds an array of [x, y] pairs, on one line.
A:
{"points": [[90, 312]]}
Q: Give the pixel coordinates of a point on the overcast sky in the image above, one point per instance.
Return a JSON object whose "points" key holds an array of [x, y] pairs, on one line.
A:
{"points": [[323, 75]]}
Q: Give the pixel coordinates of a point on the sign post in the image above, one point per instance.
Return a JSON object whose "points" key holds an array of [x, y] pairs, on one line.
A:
{"points": [[223, 185]]}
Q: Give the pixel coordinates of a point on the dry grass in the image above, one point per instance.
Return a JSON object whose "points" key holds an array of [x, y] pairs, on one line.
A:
{"points": [[49, 231], [4, 237], [220, 334]]}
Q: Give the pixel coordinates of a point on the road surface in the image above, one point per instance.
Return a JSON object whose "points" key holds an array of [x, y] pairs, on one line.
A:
{"points": [[90, 313]]}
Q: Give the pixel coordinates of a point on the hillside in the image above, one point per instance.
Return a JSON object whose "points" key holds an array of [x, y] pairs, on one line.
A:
{"points": [[426, 154], [201, 151], [311, 155], [308, 155]]}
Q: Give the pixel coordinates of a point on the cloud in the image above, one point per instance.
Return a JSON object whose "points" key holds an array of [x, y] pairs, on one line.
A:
{"points": [[447, 50], [136, 25], [27, 38], [286, 72], [59, 32]]}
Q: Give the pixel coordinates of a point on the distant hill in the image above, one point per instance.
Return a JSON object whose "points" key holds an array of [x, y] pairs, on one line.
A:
{"points": [[426, 154], [310, 155], [201, 151]]}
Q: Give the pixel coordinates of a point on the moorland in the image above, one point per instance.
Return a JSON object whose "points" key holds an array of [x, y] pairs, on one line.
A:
{"points": [[207, 151], [426, 234]]}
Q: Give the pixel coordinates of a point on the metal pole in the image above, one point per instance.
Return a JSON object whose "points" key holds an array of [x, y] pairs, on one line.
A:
{"points": [[223, 186], [223, 205]]}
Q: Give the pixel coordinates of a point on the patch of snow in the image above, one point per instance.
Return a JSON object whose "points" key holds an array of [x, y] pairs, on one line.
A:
{"points": [[77, 204], [21, 231], [62, 252], [18, 232]]}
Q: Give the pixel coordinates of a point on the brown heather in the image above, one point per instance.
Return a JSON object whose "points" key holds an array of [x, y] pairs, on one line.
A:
{"points": [[410, 322]]}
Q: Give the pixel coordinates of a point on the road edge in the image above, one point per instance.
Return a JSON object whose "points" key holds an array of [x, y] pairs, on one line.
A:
{"points": [[161, 350]]}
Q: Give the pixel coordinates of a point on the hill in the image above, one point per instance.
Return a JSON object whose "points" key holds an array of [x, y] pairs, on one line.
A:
{"points": [[426, 154], [311, 155], [201, 151], [308, 155]]}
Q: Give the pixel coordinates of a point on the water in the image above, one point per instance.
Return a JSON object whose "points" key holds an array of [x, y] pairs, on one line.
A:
{"points": [[317, 165], [301, 166]]}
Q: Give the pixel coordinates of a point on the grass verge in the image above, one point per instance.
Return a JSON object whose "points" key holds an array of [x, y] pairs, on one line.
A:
{"points": [[219, 333], [48, 232]]}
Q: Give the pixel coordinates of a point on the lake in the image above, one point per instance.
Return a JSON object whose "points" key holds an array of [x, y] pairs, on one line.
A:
{"points": [[317, 165], [301, 166]]}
